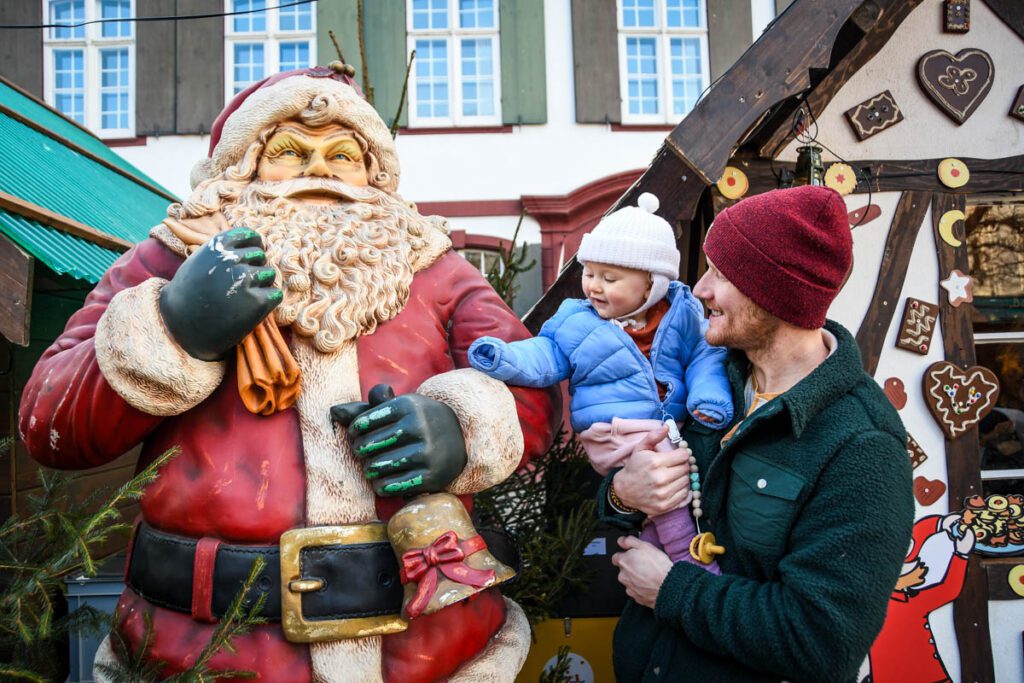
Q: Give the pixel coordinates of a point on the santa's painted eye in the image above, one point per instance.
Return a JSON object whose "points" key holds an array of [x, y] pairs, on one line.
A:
{"points": [[341, 157]]}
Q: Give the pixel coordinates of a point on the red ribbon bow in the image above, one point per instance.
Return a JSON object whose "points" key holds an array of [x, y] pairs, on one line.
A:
{"points": [[446, 556]]}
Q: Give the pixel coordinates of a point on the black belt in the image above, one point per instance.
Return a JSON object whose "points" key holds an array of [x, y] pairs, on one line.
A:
{"points": [[360, 580]]}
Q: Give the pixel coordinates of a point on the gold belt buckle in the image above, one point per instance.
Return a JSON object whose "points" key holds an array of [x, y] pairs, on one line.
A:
{"points": [[298, 629]]}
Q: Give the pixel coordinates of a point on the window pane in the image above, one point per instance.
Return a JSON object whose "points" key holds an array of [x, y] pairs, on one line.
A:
{"points": [[115, 9], [432, 78], [476, 13], [256, 19], [114, 88], [69, 83], [686, 66], [249, 65], [683, 13], [638, 13], [995, 252], [296, 18], [642, 69], [1001, 432], [429, 14], [294, 55], [67, 12], [478, 77]]}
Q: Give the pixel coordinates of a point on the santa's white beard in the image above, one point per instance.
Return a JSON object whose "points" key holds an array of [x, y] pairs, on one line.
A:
{"points": [[344, 267]]}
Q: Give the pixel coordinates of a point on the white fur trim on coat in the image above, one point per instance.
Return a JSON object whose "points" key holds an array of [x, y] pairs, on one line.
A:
{"points": [[141, 361], [284, 100], [504, 656], [487, 414]]}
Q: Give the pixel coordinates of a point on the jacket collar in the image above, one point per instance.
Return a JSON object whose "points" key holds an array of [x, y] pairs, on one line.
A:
{"points": [[821, 388]]}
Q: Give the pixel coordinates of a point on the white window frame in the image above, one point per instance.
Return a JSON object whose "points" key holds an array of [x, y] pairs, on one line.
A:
{"points": [[454, 35], [91, 44], [483, 254], [663, 35], [271, 39]]}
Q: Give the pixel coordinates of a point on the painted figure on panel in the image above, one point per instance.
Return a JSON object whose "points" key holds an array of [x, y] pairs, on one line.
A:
{"points": [[300, 332]]}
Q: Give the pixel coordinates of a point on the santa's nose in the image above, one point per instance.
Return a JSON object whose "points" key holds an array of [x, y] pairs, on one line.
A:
{"points": [[317, 166]]}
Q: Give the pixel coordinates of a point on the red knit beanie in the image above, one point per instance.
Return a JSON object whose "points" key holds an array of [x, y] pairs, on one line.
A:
{"points": [[788, 250]]}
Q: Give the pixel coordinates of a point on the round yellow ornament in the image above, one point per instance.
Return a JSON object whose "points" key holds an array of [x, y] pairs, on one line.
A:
{"points": [[1016, 580], [733, 183], [841, 178], [953, 173]]}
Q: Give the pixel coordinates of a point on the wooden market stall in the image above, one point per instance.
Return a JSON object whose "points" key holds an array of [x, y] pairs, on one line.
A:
{"points": [[916, 108]]}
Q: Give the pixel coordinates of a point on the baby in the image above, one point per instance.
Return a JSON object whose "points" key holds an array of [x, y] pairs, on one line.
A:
{"points": [[633, 351]]}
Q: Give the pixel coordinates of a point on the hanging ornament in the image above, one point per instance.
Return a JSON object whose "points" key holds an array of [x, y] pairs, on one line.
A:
{"points": [[957, 17], [946, 224], [874, 115], [956, 83], [953, 173], [928, 491], [809, 168], [960, 288], [841, 178], [1015, 577], [959, 399], [917, 326], [863, 215], [1017, 110], [733, 184]]}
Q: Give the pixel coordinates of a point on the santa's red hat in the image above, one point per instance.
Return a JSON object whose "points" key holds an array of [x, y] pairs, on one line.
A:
{"points": [[284, 96]]}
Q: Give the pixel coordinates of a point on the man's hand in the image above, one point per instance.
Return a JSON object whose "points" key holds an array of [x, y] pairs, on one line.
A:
{"points": [[410, 444], [654, 482], [220, 294], [642, 569]]}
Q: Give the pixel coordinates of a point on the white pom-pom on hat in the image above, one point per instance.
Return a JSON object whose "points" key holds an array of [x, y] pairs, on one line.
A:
{"points": [[648, 202], [634, 237]]}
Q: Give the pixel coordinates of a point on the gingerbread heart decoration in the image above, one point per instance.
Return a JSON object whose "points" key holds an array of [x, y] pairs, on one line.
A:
{"points": [[928, 491], [958, 399], [956, 83]]}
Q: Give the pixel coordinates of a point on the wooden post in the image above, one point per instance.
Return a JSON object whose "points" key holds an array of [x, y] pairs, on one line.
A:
{"points": [[15, 292]]}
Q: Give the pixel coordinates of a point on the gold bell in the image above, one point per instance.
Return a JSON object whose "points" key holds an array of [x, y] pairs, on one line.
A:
{"points": [[441, 557], [703, 548]]}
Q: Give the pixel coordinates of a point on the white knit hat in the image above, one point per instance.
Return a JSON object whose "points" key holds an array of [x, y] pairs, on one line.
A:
{"points": [[633, 237]]}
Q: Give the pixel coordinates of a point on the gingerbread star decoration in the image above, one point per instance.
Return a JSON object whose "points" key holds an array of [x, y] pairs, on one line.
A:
{"points": [[960, 288]]}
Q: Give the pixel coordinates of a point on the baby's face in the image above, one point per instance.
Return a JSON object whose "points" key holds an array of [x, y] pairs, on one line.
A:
{"points": [[615, 291]]}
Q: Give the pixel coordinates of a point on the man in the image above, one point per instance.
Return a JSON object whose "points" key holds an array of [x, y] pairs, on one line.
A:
{"points": [[295, 214], [808, 491]]}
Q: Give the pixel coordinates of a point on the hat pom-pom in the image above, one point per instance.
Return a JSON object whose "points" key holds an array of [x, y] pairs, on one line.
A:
{"points": [[648, 202]]}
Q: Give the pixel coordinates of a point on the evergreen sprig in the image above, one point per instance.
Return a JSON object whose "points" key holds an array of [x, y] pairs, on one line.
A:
{"points": [[504, 274], [546, 507], [55, 538]]}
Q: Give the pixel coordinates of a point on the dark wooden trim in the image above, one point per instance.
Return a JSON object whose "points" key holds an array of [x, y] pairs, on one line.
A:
{"points": [[466, 209], [15, 293], [997, 570], [678, 187], [885, 302], [773, 69], [452, 130], [641, 128], [987, 175], [963, 460], [63, 223], [1011, 12], [24, 120], [879, 19], [137, 141]]}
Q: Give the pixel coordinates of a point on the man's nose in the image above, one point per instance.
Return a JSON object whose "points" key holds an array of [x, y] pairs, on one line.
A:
{"points": [[701, 289], [317, 166]]}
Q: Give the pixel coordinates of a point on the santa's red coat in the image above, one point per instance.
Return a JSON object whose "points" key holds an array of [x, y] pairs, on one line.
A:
{"points": [[240, 477]]}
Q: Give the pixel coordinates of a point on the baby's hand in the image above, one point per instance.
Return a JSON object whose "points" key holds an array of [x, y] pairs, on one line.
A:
{"points": [[706, 419]]}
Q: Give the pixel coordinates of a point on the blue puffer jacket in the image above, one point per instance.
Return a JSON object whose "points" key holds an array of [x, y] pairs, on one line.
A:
{"points": [[608, 375]]}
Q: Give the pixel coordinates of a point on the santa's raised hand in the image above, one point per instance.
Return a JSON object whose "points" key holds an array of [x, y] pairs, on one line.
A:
{"points": [[220, 294], [408, 444]]}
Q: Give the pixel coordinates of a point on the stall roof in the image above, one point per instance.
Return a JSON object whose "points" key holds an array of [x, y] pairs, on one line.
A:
{"points": [[96, 203]]}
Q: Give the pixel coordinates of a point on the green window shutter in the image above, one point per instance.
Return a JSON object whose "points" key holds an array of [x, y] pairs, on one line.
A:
{"points": [[384, 35], [523, 84], [729, 33], [595, 40]]}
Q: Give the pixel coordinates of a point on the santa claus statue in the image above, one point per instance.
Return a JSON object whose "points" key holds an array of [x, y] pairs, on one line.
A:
{"points": [[300, 333]]}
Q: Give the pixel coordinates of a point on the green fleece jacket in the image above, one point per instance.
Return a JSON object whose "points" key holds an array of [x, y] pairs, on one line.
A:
{"points": [[812, 500]]}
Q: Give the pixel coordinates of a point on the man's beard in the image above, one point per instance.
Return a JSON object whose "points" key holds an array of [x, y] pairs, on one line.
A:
{"points": [[344, 267], [749, 329]]}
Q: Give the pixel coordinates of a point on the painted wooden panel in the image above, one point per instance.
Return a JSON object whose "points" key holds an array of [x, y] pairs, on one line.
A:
{"points": [[155, 77], [596, 59], [523, 82], [21, 51], [728, 33], [339, 16], [386, 55], [200, 48], [16, 296]]}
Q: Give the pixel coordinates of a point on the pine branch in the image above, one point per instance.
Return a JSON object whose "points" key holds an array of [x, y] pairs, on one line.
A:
{"points": [[504, 275], [401, 99], [560, 671]]}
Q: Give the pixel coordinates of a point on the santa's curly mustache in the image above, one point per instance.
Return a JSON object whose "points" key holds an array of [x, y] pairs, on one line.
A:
{"points": [[344, 266]]}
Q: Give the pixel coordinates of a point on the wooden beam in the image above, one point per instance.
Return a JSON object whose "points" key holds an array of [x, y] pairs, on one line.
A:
{"points": [[678, 188], [775, 68], [67, 225], [885, 302], [880, 18], [15, 293], [1011, 12], [24, 120], [963, 459]]}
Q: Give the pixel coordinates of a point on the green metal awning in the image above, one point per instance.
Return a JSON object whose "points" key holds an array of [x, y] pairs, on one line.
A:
{"points": [[62, 253]]}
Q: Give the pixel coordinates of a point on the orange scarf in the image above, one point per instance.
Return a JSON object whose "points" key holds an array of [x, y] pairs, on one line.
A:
{"points": [[269, 379]]}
